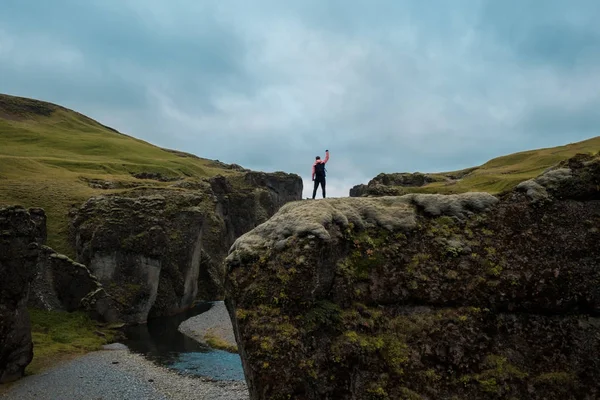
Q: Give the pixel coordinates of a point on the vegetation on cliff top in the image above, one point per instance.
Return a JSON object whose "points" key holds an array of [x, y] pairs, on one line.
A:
{"points": [[503, 173], [52, 157]]}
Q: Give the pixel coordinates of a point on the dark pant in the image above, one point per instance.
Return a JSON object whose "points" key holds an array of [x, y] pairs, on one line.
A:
{"points": [[319, 180]]}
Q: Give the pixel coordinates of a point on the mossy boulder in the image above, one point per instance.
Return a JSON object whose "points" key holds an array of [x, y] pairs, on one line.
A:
{"points": [[424, 296], [156, 251]]}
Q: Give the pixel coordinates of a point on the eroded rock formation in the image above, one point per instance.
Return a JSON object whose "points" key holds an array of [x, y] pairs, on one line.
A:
{"points": [[425, 296], [18, 257], [62, 284], [156, 251]]}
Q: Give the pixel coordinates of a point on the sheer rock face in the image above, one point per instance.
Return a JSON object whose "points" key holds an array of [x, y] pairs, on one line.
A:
{"points": [[62, 284], [34, 275], [156, 251], [18, 256], [425, 296]]}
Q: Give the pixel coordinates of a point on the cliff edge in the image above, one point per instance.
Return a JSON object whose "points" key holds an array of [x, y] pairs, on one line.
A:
{"points": [[425, 296]]}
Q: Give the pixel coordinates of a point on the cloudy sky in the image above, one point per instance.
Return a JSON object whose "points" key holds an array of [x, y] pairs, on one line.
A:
{"points": [[385, 85]]}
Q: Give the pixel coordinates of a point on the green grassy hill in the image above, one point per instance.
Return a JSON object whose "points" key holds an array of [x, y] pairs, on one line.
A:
{"points": [[503, 173], [49, 155]]}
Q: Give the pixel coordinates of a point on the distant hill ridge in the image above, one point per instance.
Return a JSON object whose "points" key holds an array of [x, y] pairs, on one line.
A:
{"points": [[54, 157], [495, 176]]}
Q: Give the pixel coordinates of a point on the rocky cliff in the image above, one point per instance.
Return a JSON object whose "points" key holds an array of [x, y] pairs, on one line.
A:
{"points": [[32, 274], [394, 184], [61, 284], [18, 257], [158, 250], [425, 296]]}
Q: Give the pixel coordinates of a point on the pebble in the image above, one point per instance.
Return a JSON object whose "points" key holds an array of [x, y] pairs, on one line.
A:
{"points": [[119, 374]]}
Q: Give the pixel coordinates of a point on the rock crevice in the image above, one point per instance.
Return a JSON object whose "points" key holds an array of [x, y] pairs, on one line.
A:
{"points": [[158, 250]]}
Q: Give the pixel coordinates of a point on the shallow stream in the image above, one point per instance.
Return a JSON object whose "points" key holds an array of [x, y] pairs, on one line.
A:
{"points": [[160, 341]]}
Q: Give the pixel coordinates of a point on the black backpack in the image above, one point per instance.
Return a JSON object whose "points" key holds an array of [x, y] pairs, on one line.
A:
{"points": [[320, 169]]}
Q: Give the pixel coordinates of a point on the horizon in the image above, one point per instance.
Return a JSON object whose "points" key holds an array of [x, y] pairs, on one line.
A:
{"points": [[392, 87]]}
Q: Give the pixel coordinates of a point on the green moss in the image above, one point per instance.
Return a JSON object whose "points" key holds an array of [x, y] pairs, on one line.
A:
{"points": [[494, 270], [408, 394], [216, 342], [490, 251], [395, 352], [241, 314], [445, 220], [365, 257], [431, 375], [377, 392], [452, 252], [400, 237], [323, 313], [497, 370], [556, 379], [489, 385], [416, 261], [61, 335]]}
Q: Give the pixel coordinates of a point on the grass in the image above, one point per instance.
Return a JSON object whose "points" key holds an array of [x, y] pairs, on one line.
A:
{"points": [[59, 336], [216, 342], [48, 151], [504, 173]]}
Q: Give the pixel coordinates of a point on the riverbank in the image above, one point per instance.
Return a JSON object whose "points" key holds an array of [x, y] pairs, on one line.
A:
{"points": [[212, 328], [117, 373]]}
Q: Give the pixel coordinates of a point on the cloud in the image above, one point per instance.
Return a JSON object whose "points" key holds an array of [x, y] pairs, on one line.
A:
{"points": [[386, 86]]}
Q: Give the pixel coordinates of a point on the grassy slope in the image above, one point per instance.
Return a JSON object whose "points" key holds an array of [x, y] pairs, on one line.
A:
{"points": [[504, 173], [46, 150], [59, 336]]}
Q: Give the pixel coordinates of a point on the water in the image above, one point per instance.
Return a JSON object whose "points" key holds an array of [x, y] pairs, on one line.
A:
{"points": [[160, 341]]}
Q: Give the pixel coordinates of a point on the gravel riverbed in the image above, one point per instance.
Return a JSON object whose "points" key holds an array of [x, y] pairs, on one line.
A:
{"points": [[119, 374], [215, 321]]}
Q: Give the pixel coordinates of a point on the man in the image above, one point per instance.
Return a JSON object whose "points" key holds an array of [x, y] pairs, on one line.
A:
{"points": [[318, 173]]}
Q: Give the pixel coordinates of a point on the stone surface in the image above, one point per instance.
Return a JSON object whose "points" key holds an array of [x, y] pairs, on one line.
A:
{"points": [[425, 296], [18, 256], [63, 284], [156, 251]]}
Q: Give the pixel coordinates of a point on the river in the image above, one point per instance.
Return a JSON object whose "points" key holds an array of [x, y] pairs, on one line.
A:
{"points": [[161, 342]]}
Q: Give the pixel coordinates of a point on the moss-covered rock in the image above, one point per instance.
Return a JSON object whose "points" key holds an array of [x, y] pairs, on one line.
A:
{"points": [[158, 250], [424, 296]]}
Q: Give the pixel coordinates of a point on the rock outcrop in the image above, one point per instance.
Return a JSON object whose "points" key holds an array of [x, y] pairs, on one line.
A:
{"points": [[158, 250], [425, 296], [18, 257], [391, 184], [395, 184], [62, 284]]}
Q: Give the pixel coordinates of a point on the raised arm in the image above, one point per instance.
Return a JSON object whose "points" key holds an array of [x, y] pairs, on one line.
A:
{"points": [[326, 156]]}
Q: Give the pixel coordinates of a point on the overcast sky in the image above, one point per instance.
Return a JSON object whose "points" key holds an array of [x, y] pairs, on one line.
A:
{"points": [[385, 85]]}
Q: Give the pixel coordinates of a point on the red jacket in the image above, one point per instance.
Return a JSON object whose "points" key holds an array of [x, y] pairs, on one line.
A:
{"points": [[318, 162]]}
